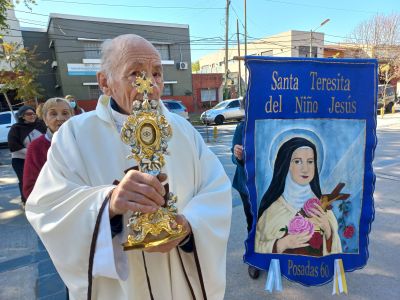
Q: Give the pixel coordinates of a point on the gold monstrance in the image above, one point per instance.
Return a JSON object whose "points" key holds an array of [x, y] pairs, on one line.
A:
{"points": [[147, 131]]}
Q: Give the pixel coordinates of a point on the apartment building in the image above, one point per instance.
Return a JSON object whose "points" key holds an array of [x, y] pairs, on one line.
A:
{"points": [[72, 45], [293, 43]]}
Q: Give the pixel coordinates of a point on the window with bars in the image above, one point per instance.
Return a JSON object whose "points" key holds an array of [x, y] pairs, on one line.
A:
{"points": [[164, 51], [92, 49], [304, 51], [208, 95], [94, 91]]}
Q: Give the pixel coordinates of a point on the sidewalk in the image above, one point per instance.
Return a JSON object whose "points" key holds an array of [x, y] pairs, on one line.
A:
{"points": [[389, 120], [26, 271], [379, 278]]}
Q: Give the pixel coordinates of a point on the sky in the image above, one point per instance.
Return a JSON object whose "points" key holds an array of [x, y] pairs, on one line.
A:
{"points": [[206, 18]]}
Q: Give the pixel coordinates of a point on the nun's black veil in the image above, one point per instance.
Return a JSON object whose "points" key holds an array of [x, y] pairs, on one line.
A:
{"points": [[281, 169]]}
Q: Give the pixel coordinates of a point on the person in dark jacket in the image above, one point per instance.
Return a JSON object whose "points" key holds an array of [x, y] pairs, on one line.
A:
{"points": [[239, 183], [21, 134]]}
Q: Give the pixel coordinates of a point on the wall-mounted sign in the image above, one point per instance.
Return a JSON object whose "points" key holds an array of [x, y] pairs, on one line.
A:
{"points": [[82, 69], [309, 143]]}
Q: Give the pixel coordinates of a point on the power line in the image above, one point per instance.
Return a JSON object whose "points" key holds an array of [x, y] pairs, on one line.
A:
{"points": [[108, 25], [320, 6], [134, 6], [217, 40]]}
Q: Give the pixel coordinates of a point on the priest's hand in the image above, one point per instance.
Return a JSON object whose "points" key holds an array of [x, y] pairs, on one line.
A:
{"points": [[137, 192], [238, 151], [180, 219]]}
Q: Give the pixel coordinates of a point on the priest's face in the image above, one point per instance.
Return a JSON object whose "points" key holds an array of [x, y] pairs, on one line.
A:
{"points": [[302, 165], [133, 58]]}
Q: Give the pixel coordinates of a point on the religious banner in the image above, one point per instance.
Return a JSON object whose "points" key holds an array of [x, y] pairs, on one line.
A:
{"points": [[310, 136]]}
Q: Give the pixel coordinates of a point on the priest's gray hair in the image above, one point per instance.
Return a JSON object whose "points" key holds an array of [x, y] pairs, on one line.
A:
{"points": [[112, 51], [106, 65]]}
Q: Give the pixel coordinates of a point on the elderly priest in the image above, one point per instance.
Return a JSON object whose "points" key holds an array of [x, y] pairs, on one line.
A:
{"points": [[88, 190]]}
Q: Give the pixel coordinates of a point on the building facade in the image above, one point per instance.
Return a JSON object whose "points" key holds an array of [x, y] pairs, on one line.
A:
{"points": [[291, 43], [207, 90], [73, 43]]}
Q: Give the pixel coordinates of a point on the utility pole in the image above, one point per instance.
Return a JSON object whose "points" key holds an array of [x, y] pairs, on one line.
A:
{"points": [[239, 62], [311, 34], [226, 44]]}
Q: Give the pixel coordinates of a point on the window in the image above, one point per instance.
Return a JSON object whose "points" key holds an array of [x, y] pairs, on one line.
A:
{"points": [[92, 49], [208, 95], [164, 51], [304, 51], [5, 118], [234, 104], [94, 91], [172, 105], [167, 90]]}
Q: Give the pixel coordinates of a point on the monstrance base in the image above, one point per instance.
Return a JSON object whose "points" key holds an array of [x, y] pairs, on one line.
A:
{"points": [[153, 243]]}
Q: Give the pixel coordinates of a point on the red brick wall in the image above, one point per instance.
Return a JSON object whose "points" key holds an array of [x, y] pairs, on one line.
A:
{"points": [[87, 105], [186, 100], [204, 81]]}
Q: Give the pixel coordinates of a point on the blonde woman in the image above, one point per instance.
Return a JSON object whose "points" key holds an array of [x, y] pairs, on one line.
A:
{"points": [[55, 112]]}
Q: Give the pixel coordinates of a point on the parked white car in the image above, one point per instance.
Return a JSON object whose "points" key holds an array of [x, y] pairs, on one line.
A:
{"points": [[386, 97], [231, 109], [177, 107], [6, 121]]}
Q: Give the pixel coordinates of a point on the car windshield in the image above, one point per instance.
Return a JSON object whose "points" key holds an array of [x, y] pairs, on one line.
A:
{"points": [[221, 104], [172, 105], [389, 90], [5, 118]]}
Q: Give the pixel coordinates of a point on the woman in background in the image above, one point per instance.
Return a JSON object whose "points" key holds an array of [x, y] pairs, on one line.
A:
{"points": [[21, 134], [74, 105], [55, 112]]}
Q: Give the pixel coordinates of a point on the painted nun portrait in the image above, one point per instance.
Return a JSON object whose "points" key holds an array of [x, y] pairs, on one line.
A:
{"points": [[291, 219]]}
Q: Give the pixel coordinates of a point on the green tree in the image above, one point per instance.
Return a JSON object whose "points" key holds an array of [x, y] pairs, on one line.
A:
{"points": [[7, 4], [19, 71], [195, 66]]}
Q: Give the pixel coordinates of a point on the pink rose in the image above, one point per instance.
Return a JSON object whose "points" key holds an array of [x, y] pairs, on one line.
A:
{"points": [[299, 225], [348, 232], [310, 205]]}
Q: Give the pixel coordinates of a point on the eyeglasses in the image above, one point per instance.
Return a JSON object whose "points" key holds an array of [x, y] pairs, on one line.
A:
{"points": [[29, 114]]}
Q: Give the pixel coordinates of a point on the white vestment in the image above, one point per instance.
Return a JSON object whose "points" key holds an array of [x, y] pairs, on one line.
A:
{"points": [[86, 156]]}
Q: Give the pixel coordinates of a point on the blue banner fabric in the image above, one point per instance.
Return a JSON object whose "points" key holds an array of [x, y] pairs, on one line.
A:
{"points": [[310, 136]]}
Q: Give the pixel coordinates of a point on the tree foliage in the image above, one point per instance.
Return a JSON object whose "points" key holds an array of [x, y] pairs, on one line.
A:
{"points": [[19, 72], [7, 4], [195, 66]]}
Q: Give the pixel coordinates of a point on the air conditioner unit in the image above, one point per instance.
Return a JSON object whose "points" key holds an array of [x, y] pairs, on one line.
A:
{"points": [[54, 64], [182, 65]]}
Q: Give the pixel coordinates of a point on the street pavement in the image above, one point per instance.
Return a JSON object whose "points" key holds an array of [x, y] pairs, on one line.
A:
{"points": [[26, 271]]}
